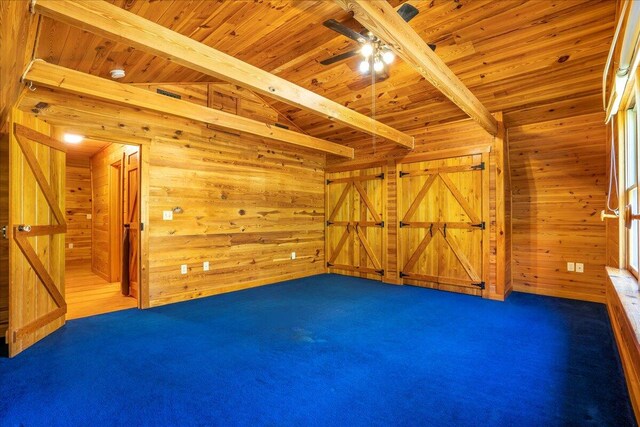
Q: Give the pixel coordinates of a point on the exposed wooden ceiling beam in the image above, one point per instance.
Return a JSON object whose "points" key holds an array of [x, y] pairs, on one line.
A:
{"points": [[382, 20], [54, 76], [107, 20]]}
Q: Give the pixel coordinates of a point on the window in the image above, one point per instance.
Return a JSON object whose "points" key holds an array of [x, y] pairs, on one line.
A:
{"points": [[631, 186]]}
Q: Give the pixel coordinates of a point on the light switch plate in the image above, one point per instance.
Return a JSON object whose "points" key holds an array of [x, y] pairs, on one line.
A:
{"points": [[167, 215], [205, 266], [571, 266], [183, 269], [579, 267], [293, 255]]}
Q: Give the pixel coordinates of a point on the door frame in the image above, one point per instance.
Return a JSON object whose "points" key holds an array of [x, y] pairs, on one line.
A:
{"points": [[143, 192]]}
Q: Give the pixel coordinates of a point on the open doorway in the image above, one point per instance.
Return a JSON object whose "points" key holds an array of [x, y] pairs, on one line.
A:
{"points": [[103, 226]]}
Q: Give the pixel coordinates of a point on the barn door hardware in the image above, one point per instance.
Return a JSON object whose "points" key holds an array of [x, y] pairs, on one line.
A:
{"points": [[380, 176], [329, 264], [329, 223], [4, 232], [380, 272], [402, 174], [403, 275], [480, 285], [431, 230], [142, 226], [380, 224], [481, 225], [479, 167], [444, 230], [329, 181], [24, 228], [404, 224]]}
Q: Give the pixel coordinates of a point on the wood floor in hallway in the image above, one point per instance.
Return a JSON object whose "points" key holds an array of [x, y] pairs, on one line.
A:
{"points": [[88, 294]]}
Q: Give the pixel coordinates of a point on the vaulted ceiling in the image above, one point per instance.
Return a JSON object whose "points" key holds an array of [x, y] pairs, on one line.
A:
{"points": [[531, 59]]}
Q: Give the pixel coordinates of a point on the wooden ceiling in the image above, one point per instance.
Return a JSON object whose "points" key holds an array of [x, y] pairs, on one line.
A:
{"points": [[531, 59]]}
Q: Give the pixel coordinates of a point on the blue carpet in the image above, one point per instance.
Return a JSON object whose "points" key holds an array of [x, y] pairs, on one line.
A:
{"points": [[326, 350]]}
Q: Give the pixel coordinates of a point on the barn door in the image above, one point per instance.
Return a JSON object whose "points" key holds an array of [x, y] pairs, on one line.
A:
{"points": [[355, 223], [36, 231], [132, 216], [443, 233]]}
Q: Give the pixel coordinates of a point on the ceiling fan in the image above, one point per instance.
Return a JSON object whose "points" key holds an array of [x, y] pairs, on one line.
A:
{"points": [[376, 54]]}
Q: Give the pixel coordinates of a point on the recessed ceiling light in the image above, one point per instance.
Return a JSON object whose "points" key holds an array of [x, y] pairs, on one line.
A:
{"points": [[72, 138], [118, 73]]}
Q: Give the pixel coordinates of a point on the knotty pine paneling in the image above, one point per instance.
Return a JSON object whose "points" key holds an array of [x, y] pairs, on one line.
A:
{"points": [[4, 243], [558, 180], [247, 203], [246, 206], [78, 206], [17, 39], [445, 140]]}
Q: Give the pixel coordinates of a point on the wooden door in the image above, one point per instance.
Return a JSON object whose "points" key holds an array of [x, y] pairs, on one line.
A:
{"points": [[132, 216], [443, 237], [355, 222], [36, 231]]}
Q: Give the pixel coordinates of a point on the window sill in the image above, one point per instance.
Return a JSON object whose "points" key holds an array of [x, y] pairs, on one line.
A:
{"points": [[626, 286]]}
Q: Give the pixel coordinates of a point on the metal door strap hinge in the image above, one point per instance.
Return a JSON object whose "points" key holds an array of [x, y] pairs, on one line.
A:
{"points": [[329, 223], [480, 285], [403, 275], [380, 224], [329, 181], [329, 264], [403, 224], [381, 176], [481, 226], [401, 174], [479, 167], [380, 272]]}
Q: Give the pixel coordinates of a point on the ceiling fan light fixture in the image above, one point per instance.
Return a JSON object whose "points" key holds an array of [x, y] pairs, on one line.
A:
{"points": [[388, 57], [378, 65], [366, 50], [364, 66]]}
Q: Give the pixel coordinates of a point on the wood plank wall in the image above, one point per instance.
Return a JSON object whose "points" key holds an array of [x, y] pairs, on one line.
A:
{"points": [[558, 181], [4, 243], [246, 206], [247, 203], [449, 140], [17, 38], [78, 206]]}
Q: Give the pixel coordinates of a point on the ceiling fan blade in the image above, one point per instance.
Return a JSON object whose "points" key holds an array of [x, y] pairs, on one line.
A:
{"points": [[340, 57], [345, 31], [407, 12]]}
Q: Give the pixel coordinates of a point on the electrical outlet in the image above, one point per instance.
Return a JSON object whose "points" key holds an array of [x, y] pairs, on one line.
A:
{"points": [[293, 255], [571, 266], [205, 266], [183, 269], [167, 215], [579, 267], [88, 216], [70, 245]]}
